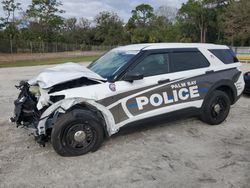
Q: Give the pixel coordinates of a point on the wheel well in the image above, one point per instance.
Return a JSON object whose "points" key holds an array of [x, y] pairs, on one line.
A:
{"points": [[98, 114], [228, 91]]}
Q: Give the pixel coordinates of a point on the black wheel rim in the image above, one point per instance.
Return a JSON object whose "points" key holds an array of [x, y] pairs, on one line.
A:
{"points": [[69, 136], [218, 108]]}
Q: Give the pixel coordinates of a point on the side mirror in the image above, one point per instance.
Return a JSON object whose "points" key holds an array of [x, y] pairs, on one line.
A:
{"points": [[130, 77]]}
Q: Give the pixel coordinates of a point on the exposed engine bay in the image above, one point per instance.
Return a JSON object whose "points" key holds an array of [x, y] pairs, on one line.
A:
{"points": [[38, 94]]}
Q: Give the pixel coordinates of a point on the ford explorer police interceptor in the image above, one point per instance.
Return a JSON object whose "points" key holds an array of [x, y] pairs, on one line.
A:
{"points": [[77, 106]]}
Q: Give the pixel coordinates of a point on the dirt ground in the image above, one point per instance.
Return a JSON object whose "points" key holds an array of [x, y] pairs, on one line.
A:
{"points": [[183, 153]]}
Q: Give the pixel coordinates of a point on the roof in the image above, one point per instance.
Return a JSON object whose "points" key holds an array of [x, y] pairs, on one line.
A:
{"points": [[151, 46]]}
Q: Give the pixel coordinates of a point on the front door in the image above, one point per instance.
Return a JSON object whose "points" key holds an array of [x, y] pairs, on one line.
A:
{"points": [[155, 68]]}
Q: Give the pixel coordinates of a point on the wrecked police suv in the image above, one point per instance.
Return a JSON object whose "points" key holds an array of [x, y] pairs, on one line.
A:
{"points": [[77, 106]]}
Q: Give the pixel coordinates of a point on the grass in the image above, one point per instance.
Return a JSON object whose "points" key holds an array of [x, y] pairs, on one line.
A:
{"points": [[22, 63]]}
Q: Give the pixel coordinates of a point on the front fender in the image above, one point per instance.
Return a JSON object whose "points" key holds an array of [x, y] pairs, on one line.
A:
{"points": [[65, 104]]}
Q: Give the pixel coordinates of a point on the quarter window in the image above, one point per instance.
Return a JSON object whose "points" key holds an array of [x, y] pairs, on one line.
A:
{"points": [[181, 61], [227, 56], [154, 64]]}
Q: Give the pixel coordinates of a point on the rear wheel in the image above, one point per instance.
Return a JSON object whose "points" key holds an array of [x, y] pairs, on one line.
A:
{"points": [[76, 133], [216, 108]]}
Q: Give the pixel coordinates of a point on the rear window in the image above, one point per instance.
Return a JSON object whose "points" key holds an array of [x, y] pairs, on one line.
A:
{"points": [[227, 56], [181, 61]]}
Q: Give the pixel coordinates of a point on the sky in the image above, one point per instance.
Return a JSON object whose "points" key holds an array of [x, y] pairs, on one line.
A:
{"points": [[90, 8]]}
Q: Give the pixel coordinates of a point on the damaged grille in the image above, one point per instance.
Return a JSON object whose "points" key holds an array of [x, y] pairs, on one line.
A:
{"points": [[25, 112], [72, 84]]}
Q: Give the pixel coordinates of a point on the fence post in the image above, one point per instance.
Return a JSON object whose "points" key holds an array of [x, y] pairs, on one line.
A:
{"points": [[11, 44], [31, 47]]}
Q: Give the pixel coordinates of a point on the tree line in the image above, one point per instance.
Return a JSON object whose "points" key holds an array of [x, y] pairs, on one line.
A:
{"points": [[214, 21]]}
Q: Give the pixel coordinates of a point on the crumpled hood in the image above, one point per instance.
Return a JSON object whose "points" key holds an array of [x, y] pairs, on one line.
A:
{"points": [[63, 73]]}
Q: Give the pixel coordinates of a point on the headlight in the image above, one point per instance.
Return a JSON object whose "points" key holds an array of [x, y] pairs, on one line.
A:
{"points": [[34, 90]]}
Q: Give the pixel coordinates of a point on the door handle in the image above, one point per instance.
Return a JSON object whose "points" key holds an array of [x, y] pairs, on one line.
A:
{"points": [[209, 72], [163, 81]]}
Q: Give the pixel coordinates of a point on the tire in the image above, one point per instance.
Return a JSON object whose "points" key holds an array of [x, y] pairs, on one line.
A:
{"points": [[216, 108], [76, 133]]}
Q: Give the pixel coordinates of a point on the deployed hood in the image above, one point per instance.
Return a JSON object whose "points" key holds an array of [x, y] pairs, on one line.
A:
{"points": [[63, 73]]}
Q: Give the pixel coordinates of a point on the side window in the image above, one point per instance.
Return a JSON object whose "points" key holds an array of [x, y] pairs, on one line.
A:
{"points": [[154, 64], [227, 56], [181, 61]]}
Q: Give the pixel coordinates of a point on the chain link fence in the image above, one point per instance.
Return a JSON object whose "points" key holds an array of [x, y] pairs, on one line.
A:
{"points": [[21, 46]]}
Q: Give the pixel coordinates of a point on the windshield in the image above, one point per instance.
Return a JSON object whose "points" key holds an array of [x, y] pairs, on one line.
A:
{"points": [[107, 65]]}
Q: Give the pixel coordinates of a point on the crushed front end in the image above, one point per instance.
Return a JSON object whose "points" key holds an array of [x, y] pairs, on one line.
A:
{"points": [[26, 113], [38, 104]]}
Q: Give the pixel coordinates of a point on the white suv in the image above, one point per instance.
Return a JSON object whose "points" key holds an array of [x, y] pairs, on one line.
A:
{"points": [[77, 106]]}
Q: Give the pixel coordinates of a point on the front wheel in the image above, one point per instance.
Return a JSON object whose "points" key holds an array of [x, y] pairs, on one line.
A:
{"points": [[77, 132], [216, 108]]}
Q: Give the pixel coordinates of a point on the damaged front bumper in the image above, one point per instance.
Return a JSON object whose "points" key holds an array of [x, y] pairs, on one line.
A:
{"points": [[41, 121], [26, 113]]}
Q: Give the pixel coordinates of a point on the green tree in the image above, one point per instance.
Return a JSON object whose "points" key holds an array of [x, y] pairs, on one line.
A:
{"points": [[158, 29], [9, 21], [109, 28], [203, 18], [10, 7], [235, 22], [198, 13], [77, 31], [146, 26], [85, 34], [70, 24], [138, 24], [46, 14], [69, 30], [142, 15]]}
